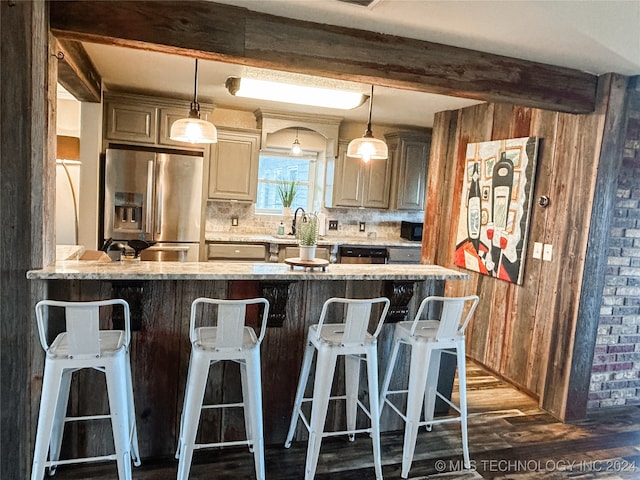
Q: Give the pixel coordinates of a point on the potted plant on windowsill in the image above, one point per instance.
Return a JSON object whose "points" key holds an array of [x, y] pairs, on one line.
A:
{"points": [[307, 232], [287, 191]]}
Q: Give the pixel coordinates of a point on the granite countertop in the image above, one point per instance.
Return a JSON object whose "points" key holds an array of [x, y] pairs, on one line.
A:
{"points": [[322, 241], [140, 270]]}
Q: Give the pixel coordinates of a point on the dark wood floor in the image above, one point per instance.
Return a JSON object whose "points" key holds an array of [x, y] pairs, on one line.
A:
{"points": [[509, 438]]}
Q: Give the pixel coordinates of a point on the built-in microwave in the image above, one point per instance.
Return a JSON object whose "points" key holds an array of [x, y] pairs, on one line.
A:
{"points": [[411, 231]]}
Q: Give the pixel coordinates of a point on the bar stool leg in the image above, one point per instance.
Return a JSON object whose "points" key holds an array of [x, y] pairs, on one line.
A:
{"points": [[246, 399], [254, 412], [387, 377], [352, 381], [302, 384], [194, 395], [186, 395], [51, 383], [374, 407], [325, 369], [115, 374], [431, 387], [133, 430], [57, 430], [462, 387], [417, 382]]}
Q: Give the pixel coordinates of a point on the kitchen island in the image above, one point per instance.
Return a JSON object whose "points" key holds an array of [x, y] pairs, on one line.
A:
{"points": [[160, 295]]}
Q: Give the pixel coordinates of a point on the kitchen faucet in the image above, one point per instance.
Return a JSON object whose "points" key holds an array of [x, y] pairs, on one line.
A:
{"points": [[293, 224]]}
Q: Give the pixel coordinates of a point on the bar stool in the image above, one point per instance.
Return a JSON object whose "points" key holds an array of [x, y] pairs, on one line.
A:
{"points": [[428, 339], [84, 345], [348, 336], [229, 340]]}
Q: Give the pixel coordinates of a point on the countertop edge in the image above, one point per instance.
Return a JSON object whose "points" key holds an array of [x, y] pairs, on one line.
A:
{"points": [[88, 270]]}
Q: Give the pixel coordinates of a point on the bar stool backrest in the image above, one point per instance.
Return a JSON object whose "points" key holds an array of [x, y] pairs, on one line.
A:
{"points": [[354, 325], [82, 325], [451, 324], [229, 319]]}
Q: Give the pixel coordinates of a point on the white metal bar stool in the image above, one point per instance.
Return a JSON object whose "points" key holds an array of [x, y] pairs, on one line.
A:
{"points": [[346, 335], [84, 345], [230, 340], [428, 339]]}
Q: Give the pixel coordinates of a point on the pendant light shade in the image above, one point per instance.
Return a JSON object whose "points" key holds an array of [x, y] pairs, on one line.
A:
{"points": [[368, 147], [193, 129], [296, 148]]}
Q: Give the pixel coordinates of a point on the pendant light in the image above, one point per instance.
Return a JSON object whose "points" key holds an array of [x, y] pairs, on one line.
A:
{"points": [[296, 148], [368, 147], [193, 129]]}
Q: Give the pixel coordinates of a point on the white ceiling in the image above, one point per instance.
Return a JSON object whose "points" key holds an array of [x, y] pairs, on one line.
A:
{"points": [[596, 36]]}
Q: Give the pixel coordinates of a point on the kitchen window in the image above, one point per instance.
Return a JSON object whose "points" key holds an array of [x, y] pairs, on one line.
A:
{"points": [[274, 166]]}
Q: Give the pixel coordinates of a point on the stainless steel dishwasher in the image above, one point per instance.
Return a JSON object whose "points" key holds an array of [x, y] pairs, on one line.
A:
{"points": [[362, 254]]}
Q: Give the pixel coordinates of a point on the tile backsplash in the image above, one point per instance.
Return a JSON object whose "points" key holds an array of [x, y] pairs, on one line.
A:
{"points": [[378, 223]]}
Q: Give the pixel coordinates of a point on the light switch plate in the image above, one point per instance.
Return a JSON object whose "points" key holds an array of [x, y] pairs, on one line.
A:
{"points": [[361, 226], [547, 252], [333, 224], [234, 221], [537, 250]]}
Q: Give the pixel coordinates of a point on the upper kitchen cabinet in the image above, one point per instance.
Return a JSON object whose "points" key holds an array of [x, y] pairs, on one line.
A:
{"points": [[138, 119], [360, 184], [233, 165], [409, 152], [130, 122]]}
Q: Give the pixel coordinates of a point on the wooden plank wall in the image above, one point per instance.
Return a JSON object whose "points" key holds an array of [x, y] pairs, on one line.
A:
{"points": [[523, 333], [27, 100]]}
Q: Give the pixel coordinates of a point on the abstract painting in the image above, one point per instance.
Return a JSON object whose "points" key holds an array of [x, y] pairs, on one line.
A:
{"points": [[495, 209]]}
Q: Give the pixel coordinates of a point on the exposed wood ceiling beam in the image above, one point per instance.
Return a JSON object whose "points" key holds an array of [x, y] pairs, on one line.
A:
{"points": [[76, 72], [236, 35]]}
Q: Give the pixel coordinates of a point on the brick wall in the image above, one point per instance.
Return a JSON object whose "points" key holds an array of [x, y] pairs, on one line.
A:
{"points": [[615, 376]]}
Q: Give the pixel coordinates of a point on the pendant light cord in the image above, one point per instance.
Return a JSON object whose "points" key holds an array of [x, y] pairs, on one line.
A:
{"points": [[369, 133], [195, 84], [195, 106]]}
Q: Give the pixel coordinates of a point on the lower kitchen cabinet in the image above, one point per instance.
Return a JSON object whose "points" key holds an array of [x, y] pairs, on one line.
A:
{"points": [[233, 165], [323, 253], [238, 252]]}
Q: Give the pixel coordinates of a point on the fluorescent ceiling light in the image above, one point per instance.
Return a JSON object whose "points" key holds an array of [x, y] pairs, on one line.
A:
{"points": [[289, 93]]}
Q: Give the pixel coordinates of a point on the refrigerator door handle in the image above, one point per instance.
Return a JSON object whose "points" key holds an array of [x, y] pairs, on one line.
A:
{"points": [[159, 208], [149, 202]]}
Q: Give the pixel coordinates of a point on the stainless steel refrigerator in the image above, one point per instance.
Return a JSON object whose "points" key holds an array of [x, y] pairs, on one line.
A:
{"points": [[156, 197]]}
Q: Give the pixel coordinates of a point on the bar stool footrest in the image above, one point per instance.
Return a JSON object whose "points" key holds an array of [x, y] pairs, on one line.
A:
{"points": [[346, 432], [237, 443], [86, 417], [337, 397], [72, 461], [223, 405]]}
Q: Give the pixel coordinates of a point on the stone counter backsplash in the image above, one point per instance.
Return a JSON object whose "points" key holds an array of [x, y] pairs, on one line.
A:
{"points": [[379, 224]]}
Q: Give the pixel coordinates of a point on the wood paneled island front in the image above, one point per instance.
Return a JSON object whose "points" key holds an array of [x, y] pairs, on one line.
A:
{"points": [[160, 295]]}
